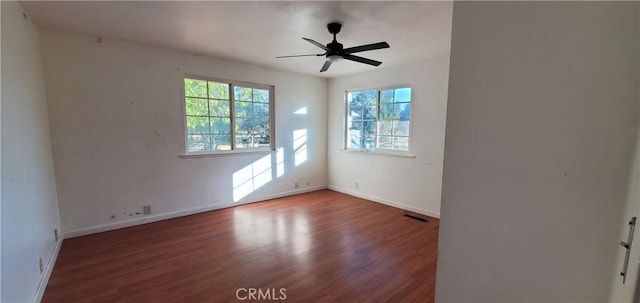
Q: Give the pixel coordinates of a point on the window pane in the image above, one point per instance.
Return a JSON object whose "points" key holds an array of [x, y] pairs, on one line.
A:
{"points": [[386, 96], [369, 127], [240, 144], [355, 112], [403, 94], [197, 143], [260, 95], [242, 125], [401, 143], [261, 110], [242, 93], [252, 137], [209, 142], [242, 128], [401, 128], [369, 112], [361, 98], [196, 107], [354, 135], [248, 131], [370, 141], [386, 112], [219, 108], [197, 125], [222, 142], [264, 126], [192, 143], [220, 125], [195, 88], [385, 142], [354, 140], [218, 90], [263, 138], [243, 109], [385, 127], [402, 111], [356, 125]]}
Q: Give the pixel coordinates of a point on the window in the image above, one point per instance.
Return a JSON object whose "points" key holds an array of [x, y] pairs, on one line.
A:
{"points": [[227, 116], [379, 119]]}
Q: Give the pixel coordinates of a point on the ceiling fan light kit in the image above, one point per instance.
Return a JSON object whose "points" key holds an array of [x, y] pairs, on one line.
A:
{"points": [[335, 52], [334, 58]]}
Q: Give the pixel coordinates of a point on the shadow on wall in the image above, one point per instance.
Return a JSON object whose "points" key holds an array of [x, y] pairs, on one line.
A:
{"points": [[270, 167]]}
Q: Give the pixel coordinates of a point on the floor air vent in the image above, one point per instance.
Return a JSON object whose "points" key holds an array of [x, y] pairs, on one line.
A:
{"points": [[416, 218]]}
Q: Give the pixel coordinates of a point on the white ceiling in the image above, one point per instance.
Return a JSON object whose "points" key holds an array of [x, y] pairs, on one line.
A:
{"points": [[257, 32]]}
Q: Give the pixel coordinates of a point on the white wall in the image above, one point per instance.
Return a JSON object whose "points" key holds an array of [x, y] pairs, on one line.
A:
{"points": [[542, 120], [410, 183], [630, 291], [29, 204], [117, 128]]}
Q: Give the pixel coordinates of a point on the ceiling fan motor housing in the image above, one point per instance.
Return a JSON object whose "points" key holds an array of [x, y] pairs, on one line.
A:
{"points": [[335, 48], [334, 27]]}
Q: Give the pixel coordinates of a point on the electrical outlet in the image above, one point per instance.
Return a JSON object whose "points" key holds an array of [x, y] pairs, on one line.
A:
{"points": [[55, 234], [357, 185], [41, 265], [295, 185], [146, 210]]}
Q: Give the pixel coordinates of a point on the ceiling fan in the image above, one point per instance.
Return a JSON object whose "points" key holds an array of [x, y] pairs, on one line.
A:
{"points": [[334, 50]]}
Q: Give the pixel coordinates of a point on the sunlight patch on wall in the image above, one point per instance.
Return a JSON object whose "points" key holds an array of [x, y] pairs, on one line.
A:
{"points": [[280, 162], [251, 177], [300, 146], [302, 111]]}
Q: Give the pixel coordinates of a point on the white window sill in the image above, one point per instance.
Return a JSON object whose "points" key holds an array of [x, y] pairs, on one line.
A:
{"points": [[379, 153], [227, 153]]}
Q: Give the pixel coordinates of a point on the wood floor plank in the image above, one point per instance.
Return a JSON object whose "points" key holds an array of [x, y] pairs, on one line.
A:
{"points": [[322, 246]]}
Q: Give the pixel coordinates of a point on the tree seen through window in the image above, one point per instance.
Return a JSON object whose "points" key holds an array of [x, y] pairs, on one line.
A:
{"points": [[224, 116], [379, 119]]}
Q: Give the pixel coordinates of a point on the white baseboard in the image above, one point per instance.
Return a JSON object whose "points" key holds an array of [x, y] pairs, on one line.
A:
{"points": [[419, 210], [44, 280], [182, 213]]}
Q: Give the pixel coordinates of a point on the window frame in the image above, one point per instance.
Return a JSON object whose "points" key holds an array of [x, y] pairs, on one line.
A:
{"points": [[378, 151], [232, 117]]}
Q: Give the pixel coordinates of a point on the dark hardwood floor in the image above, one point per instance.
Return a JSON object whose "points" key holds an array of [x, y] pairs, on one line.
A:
{"points": [[320, 246]]}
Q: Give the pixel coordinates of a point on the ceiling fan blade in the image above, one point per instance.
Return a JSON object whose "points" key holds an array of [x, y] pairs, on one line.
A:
{"points": [[367, 47], [326, 65], [362, 60], [299, 56], [316, 43]]}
